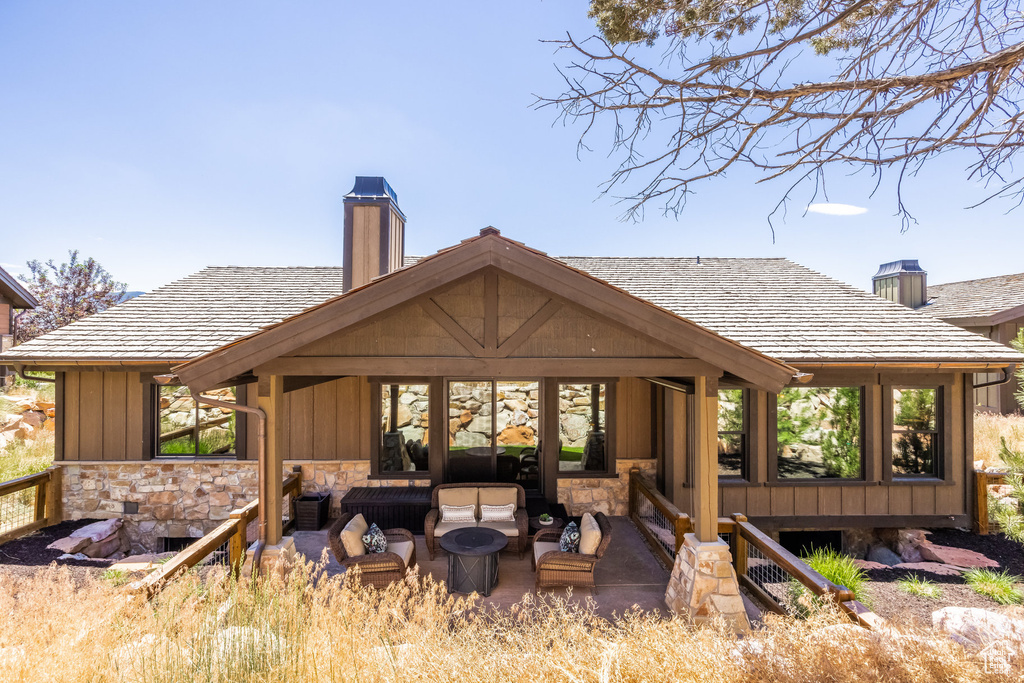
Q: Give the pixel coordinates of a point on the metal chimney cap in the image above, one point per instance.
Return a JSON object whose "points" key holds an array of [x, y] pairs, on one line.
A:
{"points": [[372, 187], [895, 267]]}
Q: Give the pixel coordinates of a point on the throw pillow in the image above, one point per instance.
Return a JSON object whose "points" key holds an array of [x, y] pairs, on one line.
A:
{"points": [[458, 513], [590, 535], [570, 540], [352, 536], [375, 540], [498, 513]]}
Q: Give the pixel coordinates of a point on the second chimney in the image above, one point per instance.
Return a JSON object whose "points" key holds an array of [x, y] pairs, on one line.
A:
{"points": [[904, 282], [374, 232]]}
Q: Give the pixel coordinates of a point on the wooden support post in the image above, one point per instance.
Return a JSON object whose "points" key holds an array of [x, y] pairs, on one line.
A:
{"points": [[705, 458], [41, 489], [55, 496], [237, 543], [739, 545], [271, 477], [981, 503]]}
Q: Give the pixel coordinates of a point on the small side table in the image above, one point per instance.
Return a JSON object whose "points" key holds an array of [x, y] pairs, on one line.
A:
{"points": [[535, 525], [473, 559]]}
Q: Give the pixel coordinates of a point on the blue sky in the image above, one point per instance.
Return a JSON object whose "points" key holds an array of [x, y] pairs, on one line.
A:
{"points": [[163, 137]]}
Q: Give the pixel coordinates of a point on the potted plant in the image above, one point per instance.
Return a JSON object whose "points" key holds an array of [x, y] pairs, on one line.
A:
{"points": [[546, 519]]}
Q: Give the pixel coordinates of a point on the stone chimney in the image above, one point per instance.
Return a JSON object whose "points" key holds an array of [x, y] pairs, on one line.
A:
{"points": [[374, 232], [903, 282]]}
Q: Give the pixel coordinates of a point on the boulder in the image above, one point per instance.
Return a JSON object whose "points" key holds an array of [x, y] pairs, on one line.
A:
{"points": [[882, 555], [141, 563], [868, 565], [98, 531], [104, 547], [958, 557], [33, 418], [972, 626], [69, 545], [911, 554]]}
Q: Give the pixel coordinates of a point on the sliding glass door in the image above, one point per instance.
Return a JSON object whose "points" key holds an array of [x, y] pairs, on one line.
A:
{"points": [[494, 431]]}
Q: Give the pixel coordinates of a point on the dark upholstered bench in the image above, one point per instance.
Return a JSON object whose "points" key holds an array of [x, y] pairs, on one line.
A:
{"points": [[403, 507]]}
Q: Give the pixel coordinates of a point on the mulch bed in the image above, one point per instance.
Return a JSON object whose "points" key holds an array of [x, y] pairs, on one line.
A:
{"points": [[889, 601], [30, 551]]}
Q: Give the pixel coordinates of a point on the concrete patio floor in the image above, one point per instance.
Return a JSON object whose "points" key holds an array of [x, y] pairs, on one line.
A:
{"points": [[628, 576]]}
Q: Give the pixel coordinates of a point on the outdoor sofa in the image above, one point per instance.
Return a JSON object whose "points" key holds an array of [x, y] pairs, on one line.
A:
{"points": [[492, 493]]}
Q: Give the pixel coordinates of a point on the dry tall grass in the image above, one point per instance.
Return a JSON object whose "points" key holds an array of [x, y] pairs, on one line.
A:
{"points": [[988, 429], [52, 629]]}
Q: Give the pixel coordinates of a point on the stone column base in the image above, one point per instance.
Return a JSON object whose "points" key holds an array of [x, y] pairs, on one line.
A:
{"points": [[703, 584], [276, 560]]}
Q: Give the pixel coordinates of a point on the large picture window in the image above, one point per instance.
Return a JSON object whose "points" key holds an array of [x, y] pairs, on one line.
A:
{"points": [[819, 433], [405, 429], [915, 432], [190, 429], [581, 428], [732, 434]]}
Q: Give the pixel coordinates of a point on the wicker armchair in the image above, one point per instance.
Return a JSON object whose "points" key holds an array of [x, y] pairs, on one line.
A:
{"points": [[516, 543], [376, 569], [557, 568]]}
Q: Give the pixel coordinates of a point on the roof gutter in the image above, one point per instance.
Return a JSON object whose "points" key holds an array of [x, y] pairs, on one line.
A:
{"points": [[1007, 376], [20, 369], [261, 450]]}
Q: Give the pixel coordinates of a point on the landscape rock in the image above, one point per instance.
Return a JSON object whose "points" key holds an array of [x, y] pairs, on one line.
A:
{"points": [[105, 547], [98, 531], [141, 563], [975, 627], [936, 568], [868, 565], [881, 554], [911, 554], [958, 557], [69, 545]]}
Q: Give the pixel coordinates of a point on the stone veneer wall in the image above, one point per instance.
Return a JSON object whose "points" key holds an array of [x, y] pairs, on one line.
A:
{"points": [[609, 495], [190, 498]]}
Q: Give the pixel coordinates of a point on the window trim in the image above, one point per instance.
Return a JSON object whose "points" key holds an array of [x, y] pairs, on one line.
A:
{"points": [[153, 411], [773, 440], [744, 432], [943, 427], [376, 440]]}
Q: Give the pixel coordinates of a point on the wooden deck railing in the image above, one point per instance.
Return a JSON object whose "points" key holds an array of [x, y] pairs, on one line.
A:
{"points": [[659, 521], [229, 537], [30, 503], [769, 571], [982, 480]]}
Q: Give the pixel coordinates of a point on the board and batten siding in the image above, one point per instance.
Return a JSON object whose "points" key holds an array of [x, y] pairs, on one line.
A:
{"points": [[840, 503], [101, 416]]}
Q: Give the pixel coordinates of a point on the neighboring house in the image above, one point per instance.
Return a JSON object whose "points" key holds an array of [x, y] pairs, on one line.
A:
{"points": [[742, 385], [992, 307], [13, 297]]}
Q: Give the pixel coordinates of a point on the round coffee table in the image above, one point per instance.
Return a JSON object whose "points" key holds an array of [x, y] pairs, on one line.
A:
{"points": [[473, 559]]}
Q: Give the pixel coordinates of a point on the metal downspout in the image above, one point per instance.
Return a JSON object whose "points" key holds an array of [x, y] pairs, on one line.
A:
{"points": [[1007, 376], [20, 369], [261, 450]]}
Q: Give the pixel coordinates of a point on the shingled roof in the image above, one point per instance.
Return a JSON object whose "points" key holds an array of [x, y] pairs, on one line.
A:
{"points": [[983, 298], [775, 306]]}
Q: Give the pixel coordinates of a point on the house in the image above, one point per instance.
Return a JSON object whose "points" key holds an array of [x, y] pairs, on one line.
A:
{"points": [[13, 297], [992, 307], [750, 385]]}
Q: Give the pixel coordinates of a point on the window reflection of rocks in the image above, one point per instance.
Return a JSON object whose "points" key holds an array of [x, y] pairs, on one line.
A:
{"points": [[818, 433], [915, 432], [405, 410], [581, 428], [732, 445], [187, 429]]}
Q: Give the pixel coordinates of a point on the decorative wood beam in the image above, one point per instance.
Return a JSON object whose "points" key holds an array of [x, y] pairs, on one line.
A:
{"points": [[491, 313], [402, 366], [527, 329], [450, 326]]}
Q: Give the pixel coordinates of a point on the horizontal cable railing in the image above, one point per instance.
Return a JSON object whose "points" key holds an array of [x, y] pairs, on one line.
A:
{"points": [[659, 521], [226, 544], [30, 503]]}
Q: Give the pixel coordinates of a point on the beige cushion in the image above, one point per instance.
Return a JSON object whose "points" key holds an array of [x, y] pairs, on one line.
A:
{"points": [[403, 549], [590, 535], [543, 547], [458, 514], [352, 536], [441, 528], [499, 496], [507, 528], [457, 496], [497, 513]]}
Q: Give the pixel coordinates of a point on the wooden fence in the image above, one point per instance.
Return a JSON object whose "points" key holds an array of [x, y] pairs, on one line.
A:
{"points": [[30, 503], [230, 536], [982, 480], [763, 567]]}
